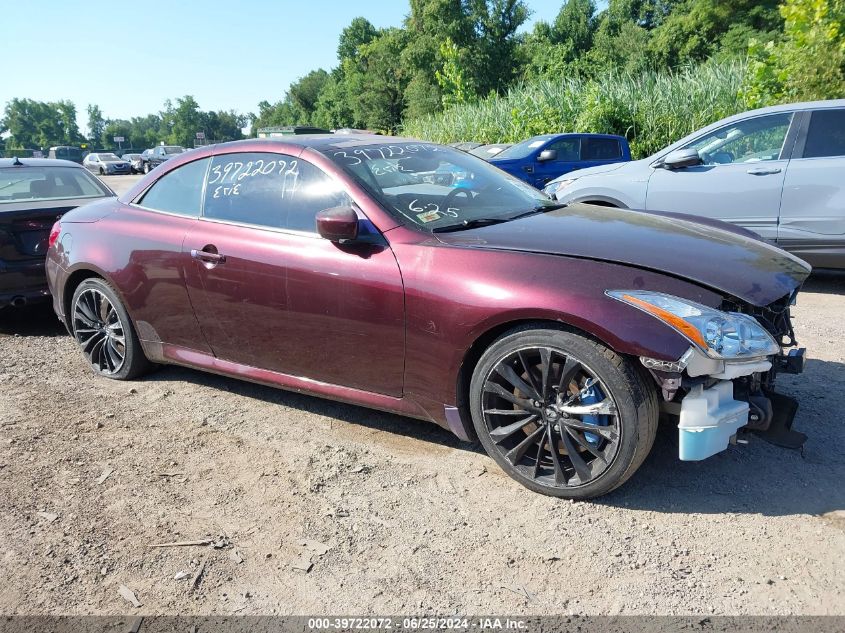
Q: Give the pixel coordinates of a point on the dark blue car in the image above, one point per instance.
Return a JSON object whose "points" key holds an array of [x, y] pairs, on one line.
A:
{"points": [[543, 158]]}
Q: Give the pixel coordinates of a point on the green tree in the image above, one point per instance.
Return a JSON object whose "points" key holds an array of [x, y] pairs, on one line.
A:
{"points": [[553, 51], [623, 35], [430, 23], [452, 79], [144, 131], [67, 118], [698, 29], [304, 93], [96, 123], [575, 26], [495, 63], [377, 81], [358, 33], [187, 120], [113, 128], [38, 124], [334, 109], [807, 62], [224, 125]]}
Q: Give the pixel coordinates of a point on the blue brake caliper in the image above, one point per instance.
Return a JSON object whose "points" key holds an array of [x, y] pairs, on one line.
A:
{"points": [[592, 395]]}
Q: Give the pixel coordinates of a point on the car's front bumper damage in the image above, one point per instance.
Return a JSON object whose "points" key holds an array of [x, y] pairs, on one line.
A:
{"points": [[714, 400]]}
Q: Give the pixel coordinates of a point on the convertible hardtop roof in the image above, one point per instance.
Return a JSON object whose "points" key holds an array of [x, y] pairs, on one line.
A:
{"points": [[322, 142]]}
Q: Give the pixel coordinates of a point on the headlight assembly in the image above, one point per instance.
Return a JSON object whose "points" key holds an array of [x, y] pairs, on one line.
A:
{"points": [[553, 188], [720, 335]]}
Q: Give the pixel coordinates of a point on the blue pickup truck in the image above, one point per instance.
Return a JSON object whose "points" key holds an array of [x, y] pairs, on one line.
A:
{"points": [[543, 158]]}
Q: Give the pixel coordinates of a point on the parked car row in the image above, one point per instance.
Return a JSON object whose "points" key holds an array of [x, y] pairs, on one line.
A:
{"points": [[774, 171], [540, 159], [110, 163]]}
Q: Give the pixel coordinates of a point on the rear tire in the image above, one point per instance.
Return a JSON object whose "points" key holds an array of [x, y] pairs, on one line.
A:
{"points": [[562, 414], [104, 332]]}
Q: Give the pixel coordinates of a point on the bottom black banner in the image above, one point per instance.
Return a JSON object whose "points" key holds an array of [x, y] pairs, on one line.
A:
{"points": [[522, 624]]}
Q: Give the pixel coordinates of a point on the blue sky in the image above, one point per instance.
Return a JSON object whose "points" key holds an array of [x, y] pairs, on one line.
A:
{"points": [[128, 57]]}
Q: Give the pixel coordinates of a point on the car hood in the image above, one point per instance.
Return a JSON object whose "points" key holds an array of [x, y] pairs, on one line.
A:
{"points": [[735, 264], [507, 163], [592, 171]]}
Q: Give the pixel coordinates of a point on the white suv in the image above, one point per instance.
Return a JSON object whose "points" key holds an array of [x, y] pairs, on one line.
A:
{"points": [[777, 171]]}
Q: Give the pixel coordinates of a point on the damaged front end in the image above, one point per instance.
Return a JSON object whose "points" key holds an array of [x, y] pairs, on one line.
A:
{"points": [[724, 383]]}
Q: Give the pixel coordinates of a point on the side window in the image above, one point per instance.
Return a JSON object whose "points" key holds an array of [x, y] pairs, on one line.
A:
{"points": [[600, 149], [826, 134], [270, 190], [748, 141], [567, 149], [178, 191]]}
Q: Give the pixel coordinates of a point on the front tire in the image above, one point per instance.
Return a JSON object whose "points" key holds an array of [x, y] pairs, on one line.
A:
{"points": [[102, 173], [561, 414], [104, 332], [146, 168]]}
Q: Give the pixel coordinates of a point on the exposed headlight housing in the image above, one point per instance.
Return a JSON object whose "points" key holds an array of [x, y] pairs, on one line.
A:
{"points": [[553, 188], [720, 335]]}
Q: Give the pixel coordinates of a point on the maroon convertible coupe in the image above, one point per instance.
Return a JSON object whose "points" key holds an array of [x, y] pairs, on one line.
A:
{"points": [[418, 279]]}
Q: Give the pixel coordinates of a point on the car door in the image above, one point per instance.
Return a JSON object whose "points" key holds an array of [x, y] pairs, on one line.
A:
{"points": [[269, 292], [812, 217], [740, 179], [566, 157]]}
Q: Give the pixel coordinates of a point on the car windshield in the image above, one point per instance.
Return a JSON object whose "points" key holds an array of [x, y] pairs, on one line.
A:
{"points": [[132, 156], [437, 187], [173, 149], [26, 184], [108, 157], [525, 148]]}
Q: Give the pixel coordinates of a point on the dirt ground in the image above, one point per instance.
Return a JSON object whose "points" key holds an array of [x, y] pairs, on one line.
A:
{"points": [[313, 507]]}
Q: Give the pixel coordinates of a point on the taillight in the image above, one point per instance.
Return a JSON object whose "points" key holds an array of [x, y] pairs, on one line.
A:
{"points": [[54, 234]]}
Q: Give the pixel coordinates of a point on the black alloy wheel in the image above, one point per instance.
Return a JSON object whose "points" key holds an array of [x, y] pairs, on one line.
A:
{"points": [[104, 332], [559, 412]]}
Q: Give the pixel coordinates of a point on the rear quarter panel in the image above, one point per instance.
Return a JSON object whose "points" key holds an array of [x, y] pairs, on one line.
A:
{"points": [[139, 254]]}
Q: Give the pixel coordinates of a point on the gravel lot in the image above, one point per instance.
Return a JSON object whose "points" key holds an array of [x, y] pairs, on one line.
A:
{"points": [[313, 506]]}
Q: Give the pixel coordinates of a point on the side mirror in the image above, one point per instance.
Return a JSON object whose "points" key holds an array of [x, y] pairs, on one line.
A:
{"points": [[681, 158], [338, 224], [547, 154]]}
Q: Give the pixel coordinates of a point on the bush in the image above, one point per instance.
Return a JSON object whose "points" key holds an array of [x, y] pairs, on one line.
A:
{"points": [[651, 110]]}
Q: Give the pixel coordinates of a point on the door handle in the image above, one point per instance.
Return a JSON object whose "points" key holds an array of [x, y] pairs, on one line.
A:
{"points": [[764, 171], [208, 257]]}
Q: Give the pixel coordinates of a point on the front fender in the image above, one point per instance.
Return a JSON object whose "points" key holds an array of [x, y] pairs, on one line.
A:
{"points": [[626, 192], [448, 314]]}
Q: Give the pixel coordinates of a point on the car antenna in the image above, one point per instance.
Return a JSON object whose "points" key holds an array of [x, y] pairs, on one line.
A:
{"points": [[17, 162]]}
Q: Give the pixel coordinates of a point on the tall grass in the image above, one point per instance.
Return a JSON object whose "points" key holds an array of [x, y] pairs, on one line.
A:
{"points": [[651, 109]]}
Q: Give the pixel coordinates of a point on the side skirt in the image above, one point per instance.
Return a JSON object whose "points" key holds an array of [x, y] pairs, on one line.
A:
{"points": [[205, 362]]}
